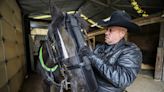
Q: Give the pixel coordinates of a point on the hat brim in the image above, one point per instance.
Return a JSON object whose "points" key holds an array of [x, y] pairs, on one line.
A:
{"points": [[132, 27]]}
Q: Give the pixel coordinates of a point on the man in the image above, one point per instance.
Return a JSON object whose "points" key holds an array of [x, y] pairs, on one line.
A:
{"points": [[116, 63]]}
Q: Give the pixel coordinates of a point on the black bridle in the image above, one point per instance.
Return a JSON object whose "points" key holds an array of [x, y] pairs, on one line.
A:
{"points": [[64, 55]]}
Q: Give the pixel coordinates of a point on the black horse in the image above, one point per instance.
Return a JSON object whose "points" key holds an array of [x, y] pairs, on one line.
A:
{"points": [[60, 63]]}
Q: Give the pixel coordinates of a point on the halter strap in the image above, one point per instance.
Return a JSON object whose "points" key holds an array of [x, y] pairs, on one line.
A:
{"points": [[42, 62]]}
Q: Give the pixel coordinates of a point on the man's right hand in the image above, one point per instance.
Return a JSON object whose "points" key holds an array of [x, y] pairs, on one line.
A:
{"points": [[84, 51]]}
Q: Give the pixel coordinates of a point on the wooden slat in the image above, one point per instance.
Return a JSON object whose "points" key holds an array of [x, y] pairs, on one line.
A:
{"points": [[0, 28], [10, 50], [149, 20], [159, 63], [20, 43], [16, 82], [1, 52], [14, 6], [159, 70], [161, 38], [161, 44], [5, 88], [17, 23], [91, 41], [91, 34], [16, 17], [19, 49], [6, 11], [19, 37], [100, 3], [3, 75], [12, 47], [146, 67], [22, 60], [12, 67], [8, 31], [24, 69]]}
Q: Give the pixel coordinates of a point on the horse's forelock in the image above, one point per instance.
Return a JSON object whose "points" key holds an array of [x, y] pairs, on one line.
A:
{"points": [[55, 12], [57, 16]]}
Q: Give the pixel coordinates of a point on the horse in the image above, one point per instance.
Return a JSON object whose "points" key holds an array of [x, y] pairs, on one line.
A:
{"points": [[60, 65]]}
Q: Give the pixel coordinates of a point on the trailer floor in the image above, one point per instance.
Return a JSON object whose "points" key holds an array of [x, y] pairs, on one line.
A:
{"points": [[143, 83]]}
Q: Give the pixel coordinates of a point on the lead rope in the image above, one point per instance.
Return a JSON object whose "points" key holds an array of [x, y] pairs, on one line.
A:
{"points": [[64, 83]]}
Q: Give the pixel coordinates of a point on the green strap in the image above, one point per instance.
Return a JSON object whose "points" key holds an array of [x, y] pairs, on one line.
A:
{"points": [[42, 62]]}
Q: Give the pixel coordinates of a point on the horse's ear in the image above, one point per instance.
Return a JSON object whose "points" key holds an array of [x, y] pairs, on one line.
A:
{"points": [[57, 16], [55, 12], [84, 24]]}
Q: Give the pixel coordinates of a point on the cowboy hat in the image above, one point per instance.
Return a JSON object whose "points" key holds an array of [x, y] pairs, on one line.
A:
{"points": [[122, 19]]}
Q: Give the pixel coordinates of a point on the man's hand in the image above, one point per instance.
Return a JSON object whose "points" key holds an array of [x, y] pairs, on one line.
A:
{"points": [[84, 51]]}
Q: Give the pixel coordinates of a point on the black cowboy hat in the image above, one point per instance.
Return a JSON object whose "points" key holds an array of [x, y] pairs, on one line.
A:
{"points": [[122, 19]]}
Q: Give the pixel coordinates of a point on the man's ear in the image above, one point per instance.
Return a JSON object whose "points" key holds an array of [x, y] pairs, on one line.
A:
{"points": [[124, 31]]}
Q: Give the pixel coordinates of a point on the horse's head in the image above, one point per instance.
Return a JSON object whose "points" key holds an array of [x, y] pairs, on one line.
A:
{"points": [[64, 39], [61, 28]]}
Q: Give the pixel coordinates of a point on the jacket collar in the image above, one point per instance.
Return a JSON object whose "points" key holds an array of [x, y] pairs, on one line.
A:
{"points": [[113, 47]]}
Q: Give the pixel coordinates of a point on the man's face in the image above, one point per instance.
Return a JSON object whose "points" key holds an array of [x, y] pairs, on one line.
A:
{"points": [[114, 34]]}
